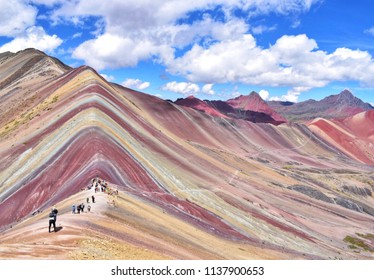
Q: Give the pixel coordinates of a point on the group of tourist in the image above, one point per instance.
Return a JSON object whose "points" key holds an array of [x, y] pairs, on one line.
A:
{"points": [[102, 186], [80, 207], [99, 185]]}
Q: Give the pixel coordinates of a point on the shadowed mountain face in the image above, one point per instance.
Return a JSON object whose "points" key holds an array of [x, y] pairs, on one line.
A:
{"points": [[337, 106], [251, 108], [191, 186]]}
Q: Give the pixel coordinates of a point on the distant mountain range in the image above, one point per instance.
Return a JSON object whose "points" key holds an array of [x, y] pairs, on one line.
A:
{"points": [[253, 108], [338, 106]]}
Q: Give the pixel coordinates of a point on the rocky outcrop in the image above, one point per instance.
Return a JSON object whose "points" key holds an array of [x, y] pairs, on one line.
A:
{"points": [[311, 192], [365, 192]]}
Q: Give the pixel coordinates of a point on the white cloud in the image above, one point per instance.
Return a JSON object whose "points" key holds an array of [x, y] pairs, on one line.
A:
{"points": [[259, 29], [77, 35], [182, 88], [154, 25], [208, 89], [264, 94], [281, 7], [136, 84], [15, 17], [292, 95], [109, 78], [370, 31], [293, 61], [114, 51], [33, 37]]}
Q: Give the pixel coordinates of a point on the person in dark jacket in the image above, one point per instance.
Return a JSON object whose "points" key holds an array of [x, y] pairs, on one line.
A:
{"points": [[52, 219]]}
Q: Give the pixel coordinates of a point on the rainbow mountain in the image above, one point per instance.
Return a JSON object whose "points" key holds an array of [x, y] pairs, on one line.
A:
{"points": [[191, 185]]}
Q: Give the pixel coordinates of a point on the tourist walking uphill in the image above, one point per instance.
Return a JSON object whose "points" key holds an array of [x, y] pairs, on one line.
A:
{"points": [[99, 185]]}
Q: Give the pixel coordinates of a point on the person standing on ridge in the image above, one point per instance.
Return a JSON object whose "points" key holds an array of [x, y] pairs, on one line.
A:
{"points": [[52, 219]]}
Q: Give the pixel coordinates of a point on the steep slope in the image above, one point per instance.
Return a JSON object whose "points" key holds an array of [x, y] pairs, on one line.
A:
{"points": [[22, 75], [190, 186], [337, 106], [353, 136], [199, 105]]}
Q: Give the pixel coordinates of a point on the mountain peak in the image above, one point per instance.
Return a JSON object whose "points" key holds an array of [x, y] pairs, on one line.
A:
{"points": [[344, 98], [254, 94], [346, 92], [254, 102], [245, 99]]}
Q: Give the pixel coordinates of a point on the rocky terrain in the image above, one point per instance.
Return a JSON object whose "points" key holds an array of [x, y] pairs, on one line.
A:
{"points": [[191, 184]]}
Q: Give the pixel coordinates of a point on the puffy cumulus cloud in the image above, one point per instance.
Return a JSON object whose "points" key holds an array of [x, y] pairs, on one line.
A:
{"points": [[113, 51], [16, 16], [182, 88], [221, 62], [187, 88], [292, 95], [136, 84], [293, 61], [127, 16], [208, 89], [162, 26], [148, 13], [33, 37], [264, 94]]}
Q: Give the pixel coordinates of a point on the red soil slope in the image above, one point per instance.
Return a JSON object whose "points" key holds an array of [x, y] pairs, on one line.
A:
{"points": [[353, 136], [199, 105]]}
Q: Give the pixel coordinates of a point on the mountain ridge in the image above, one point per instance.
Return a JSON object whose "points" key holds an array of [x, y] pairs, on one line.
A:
{"points": [[337, 106], [251, 108]]}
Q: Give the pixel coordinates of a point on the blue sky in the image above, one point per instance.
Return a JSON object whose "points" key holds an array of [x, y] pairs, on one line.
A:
{"points": [[215, 49]]}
